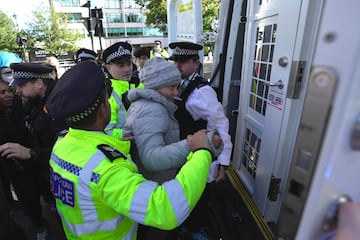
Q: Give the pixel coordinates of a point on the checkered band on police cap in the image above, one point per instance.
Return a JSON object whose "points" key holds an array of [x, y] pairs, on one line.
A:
{"points": [[85, 113], [30, 75], [23, 72], [78, 92], [184, 52], [86, 55], [119, 53]]}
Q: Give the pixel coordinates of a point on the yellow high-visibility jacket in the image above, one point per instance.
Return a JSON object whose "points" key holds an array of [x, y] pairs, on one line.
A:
{"points": [[118, 111], [100, 195]]}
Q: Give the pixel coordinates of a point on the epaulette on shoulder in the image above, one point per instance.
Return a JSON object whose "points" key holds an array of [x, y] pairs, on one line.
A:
{"points": [[110, 152], [201, 81]]}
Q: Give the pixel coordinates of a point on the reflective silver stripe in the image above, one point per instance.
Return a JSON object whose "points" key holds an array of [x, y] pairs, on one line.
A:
{"points": [[178, 199], [121, 116], [88, 228], [71, 168], [84, 192], [91, 221], [140, 201], [111, 125], [176, 196], [121, 112], [109, 132]]}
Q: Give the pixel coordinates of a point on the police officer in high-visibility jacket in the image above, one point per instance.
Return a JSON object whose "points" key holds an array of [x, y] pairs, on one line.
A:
{"points": [[118, 65], [99, 194]]}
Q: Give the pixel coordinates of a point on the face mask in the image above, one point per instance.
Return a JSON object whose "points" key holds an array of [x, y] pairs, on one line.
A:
{"points": [[7, 77]]}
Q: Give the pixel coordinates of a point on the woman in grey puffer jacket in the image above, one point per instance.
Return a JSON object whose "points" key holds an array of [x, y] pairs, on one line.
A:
{"points": [[150, 120]]}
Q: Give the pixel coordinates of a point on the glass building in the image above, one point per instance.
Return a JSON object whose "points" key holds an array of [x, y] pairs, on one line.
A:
{"points": [[122, 20]]}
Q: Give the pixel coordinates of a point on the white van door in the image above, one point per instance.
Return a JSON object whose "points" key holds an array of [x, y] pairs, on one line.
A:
{"points": [[264, 108], [337, 174]]}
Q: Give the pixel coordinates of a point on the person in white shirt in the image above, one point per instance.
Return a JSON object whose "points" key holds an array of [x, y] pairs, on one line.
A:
{"points": [[198, 108]]}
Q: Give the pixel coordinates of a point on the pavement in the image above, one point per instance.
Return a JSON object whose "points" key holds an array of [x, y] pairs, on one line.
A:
{"points": [[207, 67]]}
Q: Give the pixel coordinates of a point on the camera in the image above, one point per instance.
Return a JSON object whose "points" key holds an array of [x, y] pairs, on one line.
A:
{"points": [[21, 41]]}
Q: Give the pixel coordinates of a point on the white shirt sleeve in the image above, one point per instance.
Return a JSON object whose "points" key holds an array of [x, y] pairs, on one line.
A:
{"points": [[203, 104]]}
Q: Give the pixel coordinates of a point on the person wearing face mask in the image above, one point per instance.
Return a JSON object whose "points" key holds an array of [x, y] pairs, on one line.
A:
{"points": [[12, 129], [33, 83], [6, 58]]}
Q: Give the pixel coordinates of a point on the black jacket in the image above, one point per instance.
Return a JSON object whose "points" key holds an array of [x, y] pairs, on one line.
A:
{"points": [[13, 129], [43, 129]]}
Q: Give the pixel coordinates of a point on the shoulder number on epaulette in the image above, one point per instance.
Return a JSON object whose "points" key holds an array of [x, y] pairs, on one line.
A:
{"points": [[110, 152]]}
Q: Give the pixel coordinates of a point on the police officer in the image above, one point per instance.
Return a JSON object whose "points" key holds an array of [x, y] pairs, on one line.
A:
{"points": [[158, 51], [198, 108], [197, 102], [33, 84], [84, 54], [119, 66], [98, 192]]}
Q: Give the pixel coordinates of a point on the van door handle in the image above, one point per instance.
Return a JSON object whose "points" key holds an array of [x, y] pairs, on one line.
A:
{"points": [[278, 84]]}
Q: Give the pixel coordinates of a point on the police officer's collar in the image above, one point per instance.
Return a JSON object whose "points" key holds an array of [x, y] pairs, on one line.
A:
{"points": [[193, 76]]}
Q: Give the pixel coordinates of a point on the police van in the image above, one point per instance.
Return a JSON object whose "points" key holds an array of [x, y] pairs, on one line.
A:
{"points": [[288, 76]]}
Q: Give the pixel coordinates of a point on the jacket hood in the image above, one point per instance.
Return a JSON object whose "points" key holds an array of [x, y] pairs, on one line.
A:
{"points": [[151, 95]]}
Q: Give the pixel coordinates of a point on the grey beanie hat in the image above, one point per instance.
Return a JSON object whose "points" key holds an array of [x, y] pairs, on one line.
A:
{"points": [[158, 73]]}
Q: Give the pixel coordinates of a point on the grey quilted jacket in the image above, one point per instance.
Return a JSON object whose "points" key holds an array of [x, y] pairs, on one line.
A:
{"points": [[150, 119]]}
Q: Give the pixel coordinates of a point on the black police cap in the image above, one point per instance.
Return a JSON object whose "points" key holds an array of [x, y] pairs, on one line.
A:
{"points": [[77, 93], [184, 50], [117, 52], [85, 54], [23, 72]]}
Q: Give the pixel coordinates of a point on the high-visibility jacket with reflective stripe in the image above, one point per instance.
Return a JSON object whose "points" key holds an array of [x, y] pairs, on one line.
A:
{"points": [[163, 53], [102, 199], [118, 111]]}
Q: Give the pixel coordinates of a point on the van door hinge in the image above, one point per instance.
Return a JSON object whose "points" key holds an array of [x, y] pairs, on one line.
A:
{"points": [[274, 188], [295, 79]]}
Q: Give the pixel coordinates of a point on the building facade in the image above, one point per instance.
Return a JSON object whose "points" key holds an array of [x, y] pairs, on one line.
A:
{"points": [[122, 20]]}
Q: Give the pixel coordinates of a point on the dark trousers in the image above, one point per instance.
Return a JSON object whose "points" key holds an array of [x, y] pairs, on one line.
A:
{"points": [[27, 185], [200, 215], [150, 233], [8, 228]]}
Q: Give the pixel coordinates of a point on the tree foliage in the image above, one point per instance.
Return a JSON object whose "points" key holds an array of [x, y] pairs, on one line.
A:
{"points": [[156, 13], [48, 31], [210, 11], [8, 34]]}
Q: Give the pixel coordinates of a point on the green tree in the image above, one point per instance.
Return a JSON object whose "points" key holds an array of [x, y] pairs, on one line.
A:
{"points": [[210, 11], [48, 31], [156, 13], [8, 34]]}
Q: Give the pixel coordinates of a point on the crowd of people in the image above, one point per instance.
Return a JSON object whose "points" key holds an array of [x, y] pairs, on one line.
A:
{"points": [[125, 145], [119, 154]]}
